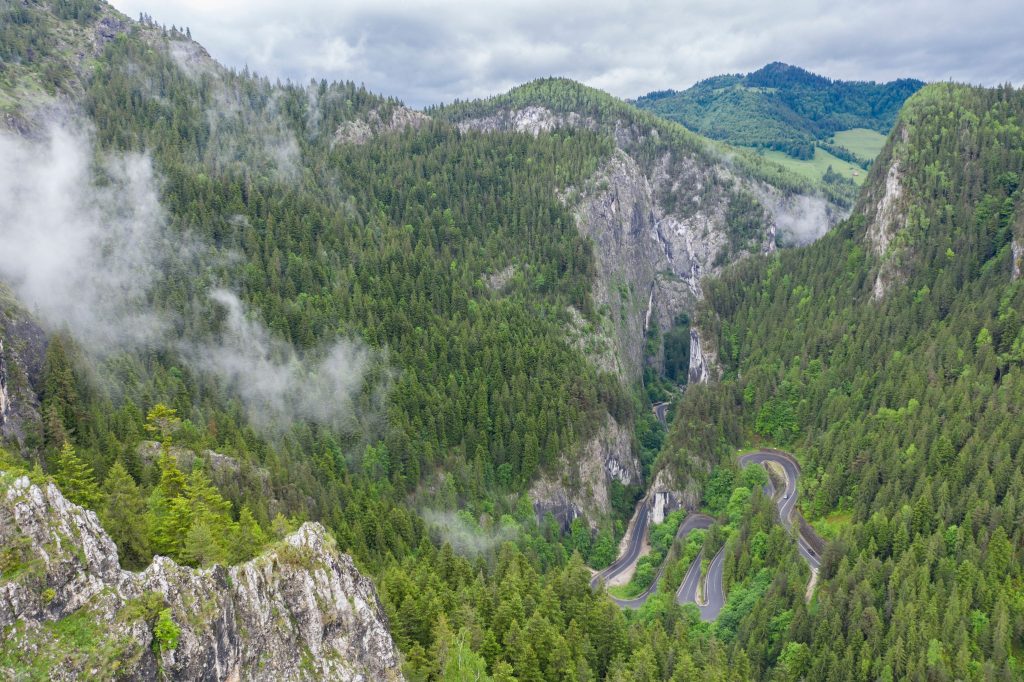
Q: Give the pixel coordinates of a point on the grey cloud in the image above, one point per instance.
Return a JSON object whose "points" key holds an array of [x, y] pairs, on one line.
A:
{"points": [[431, 52], [78, 247], [276, 383], [82, 243]]}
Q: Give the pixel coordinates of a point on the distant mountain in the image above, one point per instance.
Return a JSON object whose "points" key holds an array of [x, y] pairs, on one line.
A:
{"points": [[784, 108]]}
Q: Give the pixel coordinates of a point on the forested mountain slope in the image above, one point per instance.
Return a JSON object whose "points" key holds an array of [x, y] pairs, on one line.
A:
{"points": [[889, 356], [781, 107], [335, 308], [240, 305], [665, 211]]}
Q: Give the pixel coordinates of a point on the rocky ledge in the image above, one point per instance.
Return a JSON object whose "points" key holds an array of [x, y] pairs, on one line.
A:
{"points": [[299, 611]]}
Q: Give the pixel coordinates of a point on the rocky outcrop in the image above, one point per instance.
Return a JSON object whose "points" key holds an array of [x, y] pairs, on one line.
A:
{"points": [[883, 205], [530, 119], [360, 131], [22, 349], [667, 496], [300, 611], [582, 489], [1017, 245], [703, 359], [5, 399]]}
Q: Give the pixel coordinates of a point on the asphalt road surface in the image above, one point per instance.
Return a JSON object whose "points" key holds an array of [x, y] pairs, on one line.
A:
{"points": [[637, 535], [689, 523], [714, 594], [661, 412], [787, 500]]}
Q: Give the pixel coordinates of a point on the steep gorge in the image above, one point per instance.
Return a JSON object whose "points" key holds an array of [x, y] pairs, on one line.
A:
{"points": [[664, 212]]}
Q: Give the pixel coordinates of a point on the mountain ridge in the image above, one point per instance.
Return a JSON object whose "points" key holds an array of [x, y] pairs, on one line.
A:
{"points": [[781, 107]]}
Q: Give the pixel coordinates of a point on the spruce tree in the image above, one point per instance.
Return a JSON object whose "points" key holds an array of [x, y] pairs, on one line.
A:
{"points": [[76, 479], [124, 517]]}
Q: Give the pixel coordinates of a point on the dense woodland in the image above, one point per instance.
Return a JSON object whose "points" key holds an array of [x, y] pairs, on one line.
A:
{"points": [[905, 411], [782, 107], [907, 425]]}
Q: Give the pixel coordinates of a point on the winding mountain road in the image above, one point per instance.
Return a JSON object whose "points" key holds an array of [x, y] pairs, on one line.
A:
{"points": [[637, 534], [808, 542], [712, 599], [661, 412], [690, 523]]}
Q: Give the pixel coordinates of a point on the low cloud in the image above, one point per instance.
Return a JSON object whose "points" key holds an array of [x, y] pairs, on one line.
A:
{"points": [[80, 248], [801, 219], [276, 383], [84, 243], [465, 535]]}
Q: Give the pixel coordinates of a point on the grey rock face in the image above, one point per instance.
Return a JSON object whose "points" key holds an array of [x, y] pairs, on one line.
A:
{"points": [[885, 208], [22, 348], [5, 399], [583, 488], [300, 611], [531, 119], [1017, 249], [703, 359], [360, 131], [667, 496]]}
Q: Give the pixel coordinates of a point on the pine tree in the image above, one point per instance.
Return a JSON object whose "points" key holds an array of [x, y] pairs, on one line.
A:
{"points": [[76, 479], [124, 517], [248, 538]]}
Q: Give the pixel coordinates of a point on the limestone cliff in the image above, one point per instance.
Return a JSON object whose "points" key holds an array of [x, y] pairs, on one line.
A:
{"points": [[884, 206], [667, 495], [663, 212], [582, 486], [300, 611], [22, 348]]}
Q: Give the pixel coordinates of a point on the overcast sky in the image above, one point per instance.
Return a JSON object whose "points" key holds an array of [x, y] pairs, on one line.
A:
{"points": [[435, 51]]}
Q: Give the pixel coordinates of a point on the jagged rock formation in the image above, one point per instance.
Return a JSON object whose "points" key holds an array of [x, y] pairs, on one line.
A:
{"points": [[583, 487], [300, 611], [22, 348], [883, 205]]}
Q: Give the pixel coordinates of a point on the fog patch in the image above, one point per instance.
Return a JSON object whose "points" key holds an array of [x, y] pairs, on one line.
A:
{"points": [[79, 243], [800, 218], [84, 243], [465, 535], [244, 113], [277, 384]]}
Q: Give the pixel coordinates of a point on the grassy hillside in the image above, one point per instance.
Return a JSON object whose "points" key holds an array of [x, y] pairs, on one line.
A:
{"points": [[816, 168], [864, 143], [781, 107], [803, 117]]}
